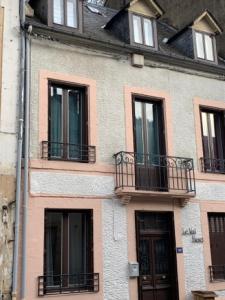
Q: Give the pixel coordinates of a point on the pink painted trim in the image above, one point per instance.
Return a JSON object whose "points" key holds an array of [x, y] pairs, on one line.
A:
{"points": [[61, 166], [142, 205], [35, 241], [199, 102], [44, 78], [154, 95]]}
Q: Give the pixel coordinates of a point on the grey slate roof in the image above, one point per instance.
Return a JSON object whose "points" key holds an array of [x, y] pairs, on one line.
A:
{"points": [[94, 29]]}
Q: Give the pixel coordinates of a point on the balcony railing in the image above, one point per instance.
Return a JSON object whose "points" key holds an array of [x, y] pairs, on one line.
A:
{"points": [[212, 165], [68, 284], [217, 273], [68, 152], [154, 172]]}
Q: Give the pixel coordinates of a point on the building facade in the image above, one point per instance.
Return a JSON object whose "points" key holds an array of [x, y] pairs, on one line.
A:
{"points": [[9, 86], [126, 154]]}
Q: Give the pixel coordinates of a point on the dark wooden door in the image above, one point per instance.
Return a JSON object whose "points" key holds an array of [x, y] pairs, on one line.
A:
{"points": [[156, 255]]}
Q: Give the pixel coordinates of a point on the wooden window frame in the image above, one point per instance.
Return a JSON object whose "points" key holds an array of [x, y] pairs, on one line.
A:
{"points": [[65, 118], [212, 36], [154, 31], [221, 145], [51, 23], [65, 239]]}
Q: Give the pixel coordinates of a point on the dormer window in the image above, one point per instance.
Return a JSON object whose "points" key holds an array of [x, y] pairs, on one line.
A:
{"points": [[143, 30], [205, 46], [65, 13]]}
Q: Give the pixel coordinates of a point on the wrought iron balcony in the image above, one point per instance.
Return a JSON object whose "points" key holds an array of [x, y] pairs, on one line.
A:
{"points": [[212, 165], [157, 173], [68, 152], [68, 284], [217, 273]]}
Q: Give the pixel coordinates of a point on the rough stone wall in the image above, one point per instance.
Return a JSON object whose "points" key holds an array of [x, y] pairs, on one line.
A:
{"points": [[8, 129]]}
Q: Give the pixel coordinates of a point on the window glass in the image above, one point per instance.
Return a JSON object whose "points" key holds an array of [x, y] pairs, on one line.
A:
{"points": [[137, 29], [200, 45], [58, 12], [72, 13], [148, 32], [209, 48], [67, 121], [68, 241]]}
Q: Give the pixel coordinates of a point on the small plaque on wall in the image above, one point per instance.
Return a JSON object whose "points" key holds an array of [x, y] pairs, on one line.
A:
{"points": [[179, 250]]}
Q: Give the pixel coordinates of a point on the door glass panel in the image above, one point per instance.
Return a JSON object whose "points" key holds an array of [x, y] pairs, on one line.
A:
{"points": [[209, 48], [139, 131], [53, 229], [58, 12], [148, 32], [161, 253], [72, 13], [56, 121], [137, 30], [199, 45], [144, 253]]}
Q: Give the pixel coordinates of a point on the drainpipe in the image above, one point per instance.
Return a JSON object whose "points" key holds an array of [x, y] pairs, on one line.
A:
{"points": [[19, 150], [26, 161]]}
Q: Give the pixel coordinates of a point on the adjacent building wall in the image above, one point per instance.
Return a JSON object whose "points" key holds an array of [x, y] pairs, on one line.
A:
{"points": [[9, 77]]}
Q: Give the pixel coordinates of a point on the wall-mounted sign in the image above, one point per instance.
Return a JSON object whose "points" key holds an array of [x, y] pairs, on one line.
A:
{"points": [[192, 232], [189, 231]]}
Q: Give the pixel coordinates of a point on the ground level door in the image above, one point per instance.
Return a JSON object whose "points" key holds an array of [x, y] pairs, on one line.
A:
{"points": [[156, 256]]}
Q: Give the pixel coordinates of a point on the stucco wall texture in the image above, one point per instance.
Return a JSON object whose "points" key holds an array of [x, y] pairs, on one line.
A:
{"points": [[111, 75]]}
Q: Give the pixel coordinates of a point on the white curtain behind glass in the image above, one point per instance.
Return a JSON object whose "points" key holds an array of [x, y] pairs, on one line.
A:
{"points": [[58, 12]]}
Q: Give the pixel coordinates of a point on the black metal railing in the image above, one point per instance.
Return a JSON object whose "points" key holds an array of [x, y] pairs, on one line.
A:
{"points": [[212, 165], [68, 284], [71, 152], [217, 273], [154, 172]]}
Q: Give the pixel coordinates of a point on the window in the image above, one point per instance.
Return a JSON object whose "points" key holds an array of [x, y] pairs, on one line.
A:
{"points": [[217, 245], [68, 261], [213, 140], [205, 46], [65, 12], [68, 125], [143, 31]]}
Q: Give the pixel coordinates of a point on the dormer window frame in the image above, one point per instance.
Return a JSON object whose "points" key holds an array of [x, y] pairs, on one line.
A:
{"points": [[213, 38], [154, 33], [64, 26]]}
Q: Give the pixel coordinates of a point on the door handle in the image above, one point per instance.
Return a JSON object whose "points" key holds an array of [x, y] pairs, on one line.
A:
{"points": [[164, 277]]}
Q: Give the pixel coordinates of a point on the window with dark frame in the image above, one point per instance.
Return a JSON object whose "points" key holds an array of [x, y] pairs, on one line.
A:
{"points": [[217, 245], [205, 46], [143, 30], [212, 122], [65, 13], [68, 124], [68, 261]]}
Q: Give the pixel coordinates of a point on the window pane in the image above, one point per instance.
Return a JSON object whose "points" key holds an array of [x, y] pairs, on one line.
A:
{"points": [[199, 45], [58, 12], [152, 129], [137, 30], [148, 32], [72, 13], [78, 243], [53, 228], [209, 48], [76, 130], [139, 130], [56, 121]]}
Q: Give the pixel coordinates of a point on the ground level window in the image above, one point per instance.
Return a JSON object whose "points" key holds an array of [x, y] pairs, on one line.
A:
{"points": [[217, 245], [68, 261]]}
